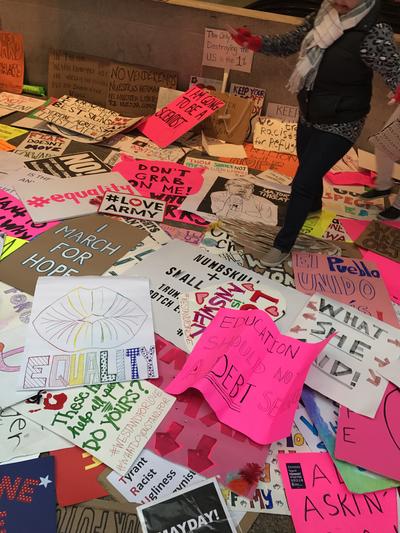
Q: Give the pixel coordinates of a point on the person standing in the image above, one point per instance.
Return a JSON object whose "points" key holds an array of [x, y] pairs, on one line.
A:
{"points": [[339, 46]]}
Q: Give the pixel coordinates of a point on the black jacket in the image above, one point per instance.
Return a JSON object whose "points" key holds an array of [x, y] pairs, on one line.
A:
{"points": [[343, 86]]}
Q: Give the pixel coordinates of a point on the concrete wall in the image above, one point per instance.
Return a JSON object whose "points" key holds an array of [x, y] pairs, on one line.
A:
{"points": [[159, 34]]}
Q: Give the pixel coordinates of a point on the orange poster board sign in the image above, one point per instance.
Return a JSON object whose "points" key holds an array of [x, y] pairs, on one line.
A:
{"points": [[264, 160], [11, 62]]}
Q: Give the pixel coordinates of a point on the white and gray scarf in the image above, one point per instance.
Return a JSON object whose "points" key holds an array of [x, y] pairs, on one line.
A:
{"points": [[328, 27]]}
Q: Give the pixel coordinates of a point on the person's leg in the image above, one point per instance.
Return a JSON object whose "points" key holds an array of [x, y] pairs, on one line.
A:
{"points": [[322, 152], [384, 168]]}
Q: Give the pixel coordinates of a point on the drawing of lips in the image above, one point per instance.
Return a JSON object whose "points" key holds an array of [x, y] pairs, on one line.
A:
{"points": [[88, 319]]}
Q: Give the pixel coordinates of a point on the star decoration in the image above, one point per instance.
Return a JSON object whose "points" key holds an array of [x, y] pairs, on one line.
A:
{"points": [[45, 481]]}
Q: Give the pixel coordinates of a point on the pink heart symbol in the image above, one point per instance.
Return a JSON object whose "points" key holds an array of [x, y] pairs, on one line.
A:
{"points": [[201, 296], [273, 311], [248, 286]]}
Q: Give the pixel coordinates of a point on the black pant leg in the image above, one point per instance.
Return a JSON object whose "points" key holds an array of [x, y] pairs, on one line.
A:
{"points": [[323, 150]]}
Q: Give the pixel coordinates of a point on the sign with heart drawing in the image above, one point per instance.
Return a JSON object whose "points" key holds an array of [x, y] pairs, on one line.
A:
{"points": [[199, 308]]}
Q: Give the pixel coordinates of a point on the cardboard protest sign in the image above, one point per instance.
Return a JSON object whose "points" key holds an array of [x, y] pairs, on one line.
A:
{"points": [[9, 132], [205, 83], [151, 478], [243, 199], [18, 102], [11, 62], [355, 432], [179, 116], [220, 50], [198, 309], [28, 501], [346, 202], [76, 476], [174, 514], [178, 268], [20, 437], [82, 246], [264, 160], [113, 422], [347, 370], [217, 166], [276, 135], [130, 206], [43, 200], [382, 239], [165, 181], [11, 358], [71, 165], [323, 415], [128, 89], [388, 140], [287, 113], [214, 448], [232, 122], [113, 517], [269, 497], [319, 501], [84, 331], [240, 391], [354, 282], [256, 95], [15, 220], [39, 145]]}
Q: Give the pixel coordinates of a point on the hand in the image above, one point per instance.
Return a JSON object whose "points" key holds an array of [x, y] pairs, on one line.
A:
{"points": [[243, 37]]}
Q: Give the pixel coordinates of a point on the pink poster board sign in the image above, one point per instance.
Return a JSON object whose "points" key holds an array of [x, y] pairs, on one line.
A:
{"points": [[166, 181], [351, 281], [320, 502], [15, 220], [191, 435], [249, 373], [355, 433], [180, 116]]}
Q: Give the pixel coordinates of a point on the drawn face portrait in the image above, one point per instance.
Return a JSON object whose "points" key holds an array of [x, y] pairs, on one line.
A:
{"points": [[239, 188]]}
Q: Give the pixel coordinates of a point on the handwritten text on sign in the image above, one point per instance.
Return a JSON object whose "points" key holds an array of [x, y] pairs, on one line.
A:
{"points": [[130, 206], [11, 62], [273, 134], [220, 50], [257, 393], [179, 116]]}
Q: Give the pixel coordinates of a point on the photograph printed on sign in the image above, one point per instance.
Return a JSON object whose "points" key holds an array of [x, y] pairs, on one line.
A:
{"points": [[90, 330], [198, 507], [347, 370]]}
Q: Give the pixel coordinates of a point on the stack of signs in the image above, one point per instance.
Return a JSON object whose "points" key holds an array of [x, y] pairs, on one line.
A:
{"points": [[199, 308], [199, 508], [90, 121], [84, 331], [347, 370], [28, 496]]}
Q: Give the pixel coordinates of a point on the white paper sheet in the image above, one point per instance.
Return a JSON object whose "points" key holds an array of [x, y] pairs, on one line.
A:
{"points": [[86, 330]]}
